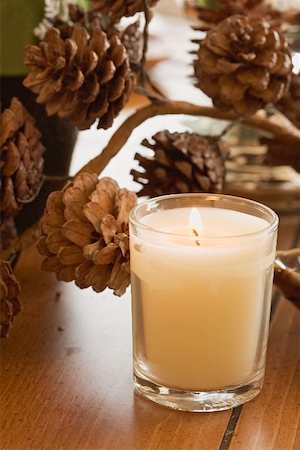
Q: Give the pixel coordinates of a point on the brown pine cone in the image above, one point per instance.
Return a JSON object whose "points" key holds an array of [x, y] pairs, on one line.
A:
{"points": [[85, 233], [132, 40], [7, 232], [120, 8], [243, 63], [182, 162], [9, 297], [21, 160], [289, 105], [232, 7], [82, 77]]}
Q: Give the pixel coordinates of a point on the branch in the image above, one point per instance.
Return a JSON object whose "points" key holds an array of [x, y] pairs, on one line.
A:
{"points": [[277, 124]]}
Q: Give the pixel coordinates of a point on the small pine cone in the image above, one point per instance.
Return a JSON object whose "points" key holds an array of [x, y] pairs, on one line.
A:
{"points": [[132, 40], [243, 63], [281, 153], [232, 7], [289, 105], [82, 77], [8, 232], [182, 162], [21, 160], [85, 233], [9, 297], [120, 8]]}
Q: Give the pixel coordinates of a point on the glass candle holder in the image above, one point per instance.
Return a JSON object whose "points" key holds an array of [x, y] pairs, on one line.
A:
{"points": [[201, 277]]}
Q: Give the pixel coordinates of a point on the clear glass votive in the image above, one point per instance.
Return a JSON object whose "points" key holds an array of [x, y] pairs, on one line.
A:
{"points": [[201, 277]]}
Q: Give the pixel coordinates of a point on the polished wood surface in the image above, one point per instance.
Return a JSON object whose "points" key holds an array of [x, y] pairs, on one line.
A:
{"points": [[66, 379]]}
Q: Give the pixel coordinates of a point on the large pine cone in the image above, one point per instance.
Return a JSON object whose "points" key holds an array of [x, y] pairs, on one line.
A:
{"points": [[80, 76], [182, 162], [85, 233], [244, 63], [21, 160], [9, 297], [232, 7], [120, 8]]}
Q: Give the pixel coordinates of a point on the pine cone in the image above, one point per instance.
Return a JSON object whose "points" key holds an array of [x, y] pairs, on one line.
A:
{"points": [[85, 233], [232, 7], [182, 162], [132, 40], [79, 76], [21, 160], [120, 8], [9, 297], [7, 232], [289, 105], [243, 63]]}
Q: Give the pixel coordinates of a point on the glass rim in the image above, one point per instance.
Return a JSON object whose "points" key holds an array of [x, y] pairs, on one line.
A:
{"points": [[271, 227]]}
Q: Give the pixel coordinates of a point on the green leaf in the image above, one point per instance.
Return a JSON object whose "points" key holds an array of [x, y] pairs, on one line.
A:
{"points": [[214, 4]]}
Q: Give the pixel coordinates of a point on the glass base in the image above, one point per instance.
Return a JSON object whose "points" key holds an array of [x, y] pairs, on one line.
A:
{"points": [[210, 401]]}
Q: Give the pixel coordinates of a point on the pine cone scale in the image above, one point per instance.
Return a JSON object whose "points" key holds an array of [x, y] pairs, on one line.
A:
{"points": [[70, 255], [79, 233]]}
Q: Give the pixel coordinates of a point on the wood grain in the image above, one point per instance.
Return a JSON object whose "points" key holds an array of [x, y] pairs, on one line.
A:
{"points": [[272, 420], [73, 389]]}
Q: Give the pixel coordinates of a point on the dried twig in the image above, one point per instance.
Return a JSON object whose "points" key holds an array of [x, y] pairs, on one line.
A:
{"points": [[277, 124], [148, 16]]}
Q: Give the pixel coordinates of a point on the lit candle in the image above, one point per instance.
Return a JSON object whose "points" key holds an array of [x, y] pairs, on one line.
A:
{"points": [[201, 296]]}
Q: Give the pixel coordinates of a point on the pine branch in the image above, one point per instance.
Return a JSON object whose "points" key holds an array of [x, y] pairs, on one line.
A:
{"points": [[277, 124]]}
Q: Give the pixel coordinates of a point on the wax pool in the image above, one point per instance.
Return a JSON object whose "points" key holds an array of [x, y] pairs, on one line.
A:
{"points": [[197, 305]]}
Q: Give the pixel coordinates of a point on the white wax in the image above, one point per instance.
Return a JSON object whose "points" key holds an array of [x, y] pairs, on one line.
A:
{"points": [[200, 306]]}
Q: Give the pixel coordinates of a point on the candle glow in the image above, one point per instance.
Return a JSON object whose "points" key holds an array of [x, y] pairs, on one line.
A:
{"points": [[199, 296]]}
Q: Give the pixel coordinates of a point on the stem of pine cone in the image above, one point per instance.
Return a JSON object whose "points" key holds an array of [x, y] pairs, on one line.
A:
{"points": [[145, 79], [148, 15], [277, 124]]}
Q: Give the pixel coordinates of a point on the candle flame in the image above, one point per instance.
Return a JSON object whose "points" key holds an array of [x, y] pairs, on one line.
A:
{"points": [[195, 224]]}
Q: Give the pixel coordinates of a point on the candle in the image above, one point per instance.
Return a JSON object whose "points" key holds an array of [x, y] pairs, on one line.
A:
{"points": [[201, 289]]}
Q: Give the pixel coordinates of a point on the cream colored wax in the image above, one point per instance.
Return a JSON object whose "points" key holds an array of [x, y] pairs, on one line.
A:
{"points": [[197, 302]]}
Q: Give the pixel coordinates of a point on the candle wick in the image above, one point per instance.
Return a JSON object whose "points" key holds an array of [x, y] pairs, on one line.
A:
{"points": [[195, 232]]}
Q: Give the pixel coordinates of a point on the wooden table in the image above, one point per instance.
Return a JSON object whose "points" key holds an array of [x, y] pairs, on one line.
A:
{"points": [[66, 377], [66, 380]]}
